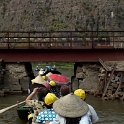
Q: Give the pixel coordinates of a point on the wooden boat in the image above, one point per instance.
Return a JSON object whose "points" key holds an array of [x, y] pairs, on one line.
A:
{"points": [[23, 111]]}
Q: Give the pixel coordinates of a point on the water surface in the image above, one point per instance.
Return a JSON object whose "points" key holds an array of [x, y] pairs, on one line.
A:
{"points": [[109, 112]]}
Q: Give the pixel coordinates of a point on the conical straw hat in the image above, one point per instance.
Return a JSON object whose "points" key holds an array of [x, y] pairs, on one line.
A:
{"points": [[70, 106], [48, 74], [39, 80]]}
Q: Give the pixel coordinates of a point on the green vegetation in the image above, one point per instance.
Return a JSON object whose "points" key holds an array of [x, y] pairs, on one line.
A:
{"points": [[63, 65]]}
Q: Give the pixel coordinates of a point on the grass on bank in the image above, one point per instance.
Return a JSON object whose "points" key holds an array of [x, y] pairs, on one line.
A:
{"points": [[61, 65]]}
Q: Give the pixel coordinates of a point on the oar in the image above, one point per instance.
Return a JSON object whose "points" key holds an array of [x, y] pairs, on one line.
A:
{"points": [[7, 108]]}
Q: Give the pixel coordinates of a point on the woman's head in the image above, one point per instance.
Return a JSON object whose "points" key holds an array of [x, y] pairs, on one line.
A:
{"points": [[80, 93], [52, 83], [43, 91], [64, 90], [35, 85], [70, 106], [49, 99]]}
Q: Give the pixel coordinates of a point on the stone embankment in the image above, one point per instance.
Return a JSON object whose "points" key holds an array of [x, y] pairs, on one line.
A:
{"points": [[2, 71], [111, 81], [103, 79], [86, 76], [16, 79]]}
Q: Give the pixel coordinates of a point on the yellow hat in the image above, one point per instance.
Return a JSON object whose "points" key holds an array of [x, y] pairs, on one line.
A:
{"points": [[30, 116], [80, 93], [32, 82], [50, 98], [52, 83], [44, 77]]}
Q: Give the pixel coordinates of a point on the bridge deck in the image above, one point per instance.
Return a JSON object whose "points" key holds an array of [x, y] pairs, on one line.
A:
{"points": [[63, 46]]}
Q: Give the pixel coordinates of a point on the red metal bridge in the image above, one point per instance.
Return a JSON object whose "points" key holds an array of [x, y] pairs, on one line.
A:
{"points": [[61, 46]]}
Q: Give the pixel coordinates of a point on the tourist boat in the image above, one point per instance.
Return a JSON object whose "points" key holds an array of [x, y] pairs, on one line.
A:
{"points": [[23, 111], [37, 68]]}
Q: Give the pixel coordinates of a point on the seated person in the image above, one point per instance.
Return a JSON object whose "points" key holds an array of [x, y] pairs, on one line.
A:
{"points": [[92, 113], [38, 105], [49, 113], [64, 90], [70, 109]]}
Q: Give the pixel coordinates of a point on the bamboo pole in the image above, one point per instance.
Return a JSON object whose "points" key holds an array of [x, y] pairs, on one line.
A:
{"points": [[7, 108]]}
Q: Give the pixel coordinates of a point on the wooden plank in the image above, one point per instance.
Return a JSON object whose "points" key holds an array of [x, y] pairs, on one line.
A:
{"points": [[109, 80], [104, 66], [105, 80], [119, 83]]}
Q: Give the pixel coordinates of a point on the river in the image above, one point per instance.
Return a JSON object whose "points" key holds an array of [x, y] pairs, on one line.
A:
{"points": [[109, 112]]}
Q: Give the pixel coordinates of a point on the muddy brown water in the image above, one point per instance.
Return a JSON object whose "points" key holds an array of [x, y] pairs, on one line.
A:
{"points": [[109, 112]]}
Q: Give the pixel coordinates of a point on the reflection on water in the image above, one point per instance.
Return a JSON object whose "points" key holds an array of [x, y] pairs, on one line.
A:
{"points": [[109, 112]]}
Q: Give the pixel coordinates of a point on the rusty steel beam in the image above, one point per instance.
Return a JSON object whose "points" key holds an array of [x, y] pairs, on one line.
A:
{"points": [[104, 66], [61, 55]]}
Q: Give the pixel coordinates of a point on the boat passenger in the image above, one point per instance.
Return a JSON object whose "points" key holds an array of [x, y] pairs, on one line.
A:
{"points": [[64, 90], [37, 68], [54, 88], [70, 109], [51, 85], [41, 72], [49, 113], [38, 105], [38, 81], [92, 113]]}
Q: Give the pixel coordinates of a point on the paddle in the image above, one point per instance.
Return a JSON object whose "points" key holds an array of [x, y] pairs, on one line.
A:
{"points": [[7, 108]]}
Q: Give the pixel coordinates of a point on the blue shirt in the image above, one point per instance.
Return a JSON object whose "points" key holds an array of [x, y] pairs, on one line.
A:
{"points": [[46, 115]]}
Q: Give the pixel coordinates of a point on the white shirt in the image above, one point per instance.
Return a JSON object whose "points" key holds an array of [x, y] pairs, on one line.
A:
{"points": [[61, 120], [92, 114]]}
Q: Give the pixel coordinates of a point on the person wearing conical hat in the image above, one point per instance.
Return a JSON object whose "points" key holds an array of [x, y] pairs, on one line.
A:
{"points": [[92, 113], [70, 109], [38, 81]]}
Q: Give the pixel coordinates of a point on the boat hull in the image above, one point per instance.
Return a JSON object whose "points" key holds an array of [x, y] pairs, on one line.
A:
{"points": [[23, 111]]}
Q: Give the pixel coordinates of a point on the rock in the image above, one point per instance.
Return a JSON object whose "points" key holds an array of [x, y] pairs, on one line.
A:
{"points": [[1, 93]]}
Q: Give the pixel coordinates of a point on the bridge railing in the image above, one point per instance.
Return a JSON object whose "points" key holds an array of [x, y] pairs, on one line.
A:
{"points": [[62, 40]]}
